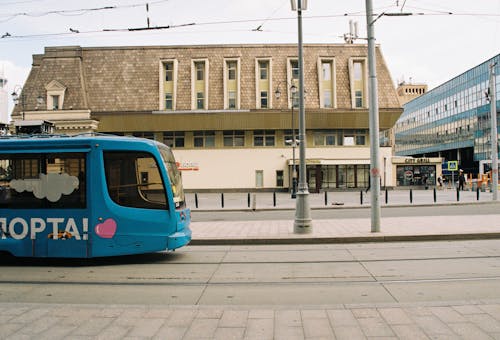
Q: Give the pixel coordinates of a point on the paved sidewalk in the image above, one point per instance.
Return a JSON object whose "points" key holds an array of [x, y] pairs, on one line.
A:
{"points": [[454, 320], [335, 230]]}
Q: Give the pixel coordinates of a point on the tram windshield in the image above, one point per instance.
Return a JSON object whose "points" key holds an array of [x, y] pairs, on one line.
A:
{"points": [[174, 174]]}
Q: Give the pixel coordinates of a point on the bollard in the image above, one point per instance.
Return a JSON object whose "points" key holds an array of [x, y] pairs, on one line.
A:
{"points": [[222, 200], [477, 194], [361, 197], [248, 200], [411, 195], [326, 198], [274, 199], [458, 194], [434, 194], [196, 200], [386, 196]]}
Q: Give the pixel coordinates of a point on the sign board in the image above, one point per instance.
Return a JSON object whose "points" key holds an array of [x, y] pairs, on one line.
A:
{"points": [[452, 165]]}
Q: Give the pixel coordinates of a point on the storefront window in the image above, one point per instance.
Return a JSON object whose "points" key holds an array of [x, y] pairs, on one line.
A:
{"points": [[408, 175]]}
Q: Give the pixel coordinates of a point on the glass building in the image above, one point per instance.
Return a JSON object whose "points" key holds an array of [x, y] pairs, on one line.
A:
{"points": [[451, 121]]}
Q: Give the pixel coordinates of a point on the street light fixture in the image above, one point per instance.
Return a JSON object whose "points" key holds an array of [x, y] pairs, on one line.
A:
{"points": [[18, 96], [303, 221]]}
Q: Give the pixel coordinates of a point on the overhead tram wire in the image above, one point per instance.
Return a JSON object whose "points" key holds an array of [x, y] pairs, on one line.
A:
{"points": [[12, 36]]}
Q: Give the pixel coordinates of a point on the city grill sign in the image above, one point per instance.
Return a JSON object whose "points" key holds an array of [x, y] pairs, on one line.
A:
{"points": [[417, 160]]}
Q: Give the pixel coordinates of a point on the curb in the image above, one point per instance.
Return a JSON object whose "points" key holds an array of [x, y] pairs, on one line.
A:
{"points": [[347, 239]]}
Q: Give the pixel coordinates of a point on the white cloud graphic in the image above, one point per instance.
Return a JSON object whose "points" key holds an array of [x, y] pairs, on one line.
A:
{"points": [[50, 186]]}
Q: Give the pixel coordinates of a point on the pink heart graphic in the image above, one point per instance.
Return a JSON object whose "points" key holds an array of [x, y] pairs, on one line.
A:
{"points": [[106, 229]]}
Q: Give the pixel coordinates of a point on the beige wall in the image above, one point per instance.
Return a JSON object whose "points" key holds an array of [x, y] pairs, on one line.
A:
{"points": [[235, 168]]}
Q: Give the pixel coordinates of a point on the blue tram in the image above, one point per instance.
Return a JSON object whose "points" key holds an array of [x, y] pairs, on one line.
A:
{"points": [[89, 196]]}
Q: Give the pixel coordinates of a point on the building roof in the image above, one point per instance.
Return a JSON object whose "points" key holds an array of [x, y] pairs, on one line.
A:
{"points": [[126, 79]]}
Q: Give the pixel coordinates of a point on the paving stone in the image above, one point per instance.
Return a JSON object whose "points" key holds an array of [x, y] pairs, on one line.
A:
{"points": [[201, 329], [447, 314], [348, 333], [231, 318], [395, 316], [260, 329], [467, 330], [342, 317], [409, 332]]}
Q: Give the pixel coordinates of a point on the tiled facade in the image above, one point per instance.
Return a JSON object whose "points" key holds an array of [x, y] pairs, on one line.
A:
{"points": [[123, 90]]}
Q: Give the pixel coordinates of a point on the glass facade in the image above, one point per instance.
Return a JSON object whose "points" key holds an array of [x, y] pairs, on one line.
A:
{"points": [[452, 120]]}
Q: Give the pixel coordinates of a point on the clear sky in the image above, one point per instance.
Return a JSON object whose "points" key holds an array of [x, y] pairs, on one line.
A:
{"points": [[440, 40]]}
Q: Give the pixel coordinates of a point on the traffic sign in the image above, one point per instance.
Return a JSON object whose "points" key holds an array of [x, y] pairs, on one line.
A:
{"points": [[452, 165]]}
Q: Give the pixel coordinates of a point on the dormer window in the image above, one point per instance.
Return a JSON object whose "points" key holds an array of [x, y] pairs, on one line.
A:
{"points": [[55, 102], [55, 95]]}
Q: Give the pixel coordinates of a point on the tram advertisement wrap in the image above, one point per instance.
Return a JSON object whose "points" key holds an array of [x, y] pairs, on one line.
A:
{"points": [[19, 228]]}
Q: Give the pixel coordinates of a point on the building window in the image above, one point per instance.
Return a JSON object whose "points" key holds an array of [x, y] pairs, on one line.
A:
{"points": [[234, 138], [169, 101], [264, 138], [263, 99], [326, 75], [55, 95], [169, 71], [231, 84], [327, 98], [231, 70], [354, 137], [357, 74], [200, 70], [174, 139], [143, 134], [55, 102], [200, 101], [263, 85], [204, 139], [199, 85], [168, 81], [294, 67], [232, 100], [325, 138], [279, 178], [263, 69]]}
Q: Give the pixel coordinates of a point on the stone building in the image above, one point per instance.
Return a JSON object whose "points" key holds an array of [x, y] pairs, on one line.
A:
{"points": [[230, 112]]}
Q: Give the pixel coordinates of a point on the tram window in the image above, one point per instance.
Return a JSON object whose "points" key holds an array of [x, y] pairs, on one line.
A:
{"points": [[134, 180], [43, 181]]}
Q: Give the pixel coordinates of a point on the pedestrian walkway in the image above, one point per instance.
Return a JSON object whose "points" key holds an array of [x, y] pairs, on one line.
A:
{"points": [[334, 230], [454, 320]]}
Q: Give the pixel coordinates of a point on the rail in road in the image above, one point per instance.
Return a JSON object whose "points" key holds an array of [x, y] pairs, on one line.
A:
{"points": [[265, 275]]}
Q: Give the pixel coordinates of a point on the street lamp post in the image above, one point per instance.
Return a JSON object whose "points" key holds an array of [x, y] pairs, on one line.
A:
{"points": [[293, 141], [293, 90], [494, 133], [374, 122], [303, 221], [18, 96]]}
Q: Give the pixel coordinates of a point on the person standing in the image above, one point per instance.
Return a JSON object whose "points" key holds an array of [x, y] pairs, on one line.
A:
{"points": [[461, 180]]}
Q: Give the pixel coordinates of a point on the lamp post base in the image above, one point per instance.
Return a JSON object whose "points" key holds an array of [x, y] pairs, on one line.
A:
{"points": [[303, 221]]}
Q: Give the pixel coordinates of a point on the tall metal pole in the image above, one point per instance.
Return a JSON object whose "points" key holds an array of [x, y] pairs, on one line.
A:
{"points": [[494, 133], [374, 123], [303, 221], [294, 145]]}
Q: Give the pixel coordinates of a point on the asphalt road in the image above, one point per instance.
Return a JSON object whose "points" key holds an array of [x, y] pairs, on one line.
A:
{"points": [[265, 275], [390, 211]]}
